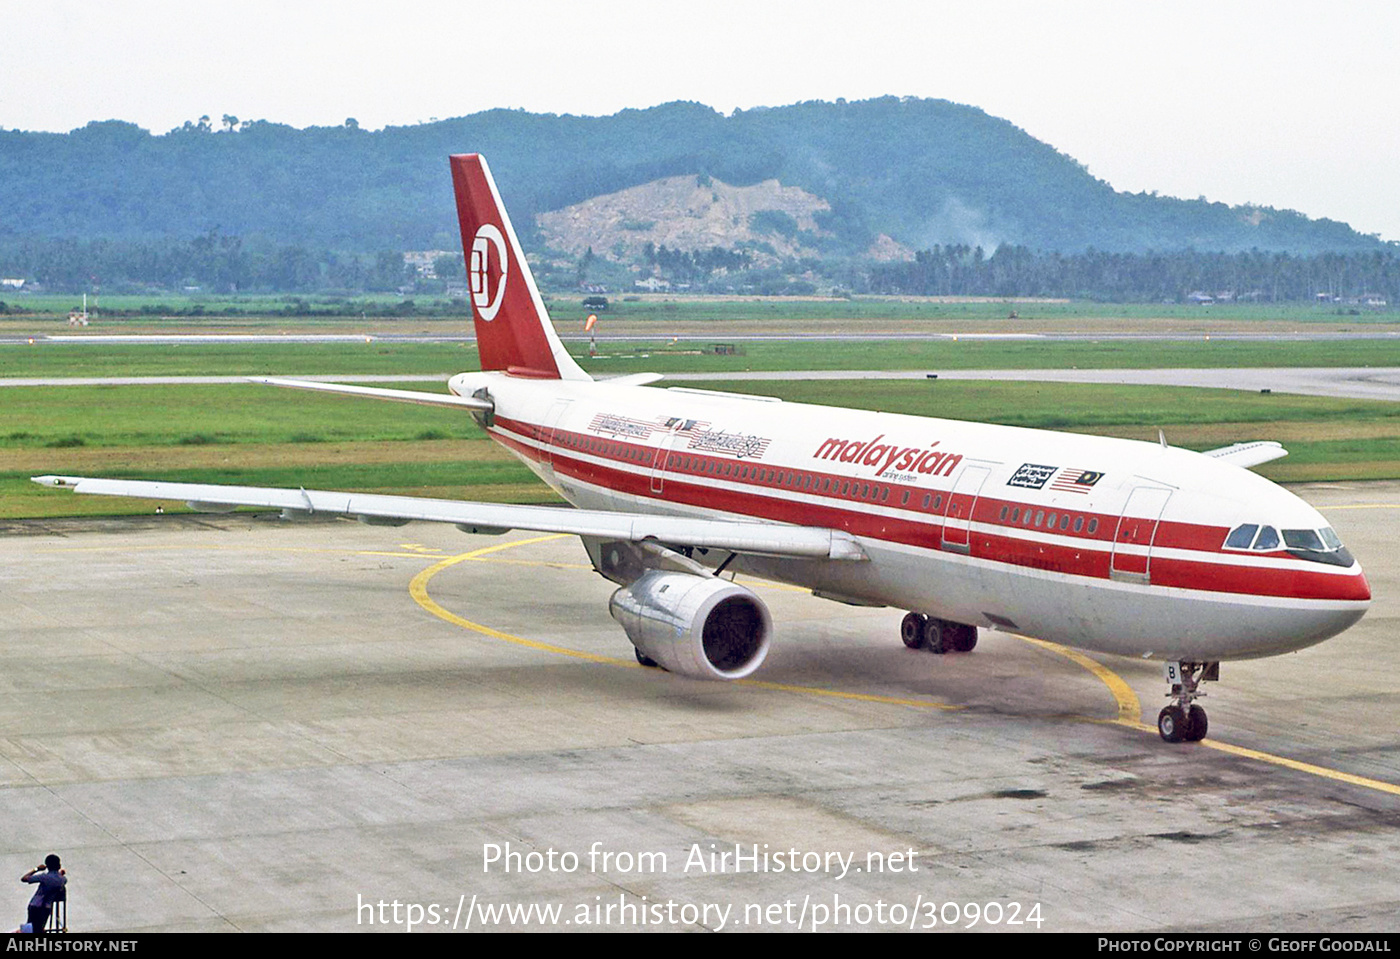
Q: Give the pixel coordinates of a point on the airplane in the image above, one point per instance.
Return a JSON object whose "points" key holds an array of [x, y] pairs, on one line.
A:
{"points": [[1109, 545]]}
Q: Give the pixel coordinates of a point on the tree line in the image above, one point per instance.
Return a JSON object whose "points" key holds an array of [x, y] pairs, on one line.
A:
{"points": [[1272, 277], [920, 171], [213, 262]]}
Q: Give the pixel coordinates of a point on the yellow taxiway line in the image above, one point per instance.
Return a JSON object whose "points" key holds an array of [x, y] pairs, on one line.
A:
{"points": [[1129, 707]]}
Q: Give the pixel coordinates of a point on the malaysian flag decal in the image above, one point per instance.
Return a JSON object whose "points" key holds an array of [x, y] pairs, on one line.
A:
{"points": [[1075, 480]]}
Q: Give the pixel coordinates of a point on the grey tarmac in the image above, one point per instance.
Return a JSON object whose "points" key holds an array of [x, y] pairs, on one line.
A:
{"points": [[240, 723]]}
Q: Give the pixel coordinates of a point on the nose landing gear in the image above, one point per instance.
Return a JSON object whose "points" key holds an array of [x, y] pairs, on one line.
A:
{"points": [[1183, 721]]}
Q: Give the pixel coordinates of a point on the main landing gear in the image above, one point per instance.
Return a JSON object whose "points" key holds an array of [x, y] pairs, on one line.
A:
{"points": [[937, 635], [1183, 721]]}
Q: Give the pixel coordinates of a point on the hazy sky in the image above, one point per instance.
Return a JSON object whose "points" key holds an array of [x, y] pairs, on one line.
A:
{"points": [[1285, 103]]}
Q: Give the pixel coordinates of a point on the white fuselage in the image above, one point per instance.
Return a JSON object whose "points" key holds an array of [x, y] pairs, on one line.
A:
{"points": [[1104, 544]]}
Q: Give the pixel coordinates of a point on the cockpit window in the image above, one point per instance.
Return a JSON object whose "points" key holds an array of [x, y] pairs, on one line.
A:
{"points": [[1242, 536], [1317, 545], [1302, 539]]}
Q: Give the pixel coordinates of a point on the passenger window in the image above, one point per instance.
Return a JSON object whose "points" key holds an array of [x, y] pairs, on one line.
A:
{"points": [[1039, 518], [904, 501], [938, 501], [1002, 514], [1268, 538], [1064, 522], [1079, 524], [1050, 521], [1093, 526], [926, 500], [1016, 515]]}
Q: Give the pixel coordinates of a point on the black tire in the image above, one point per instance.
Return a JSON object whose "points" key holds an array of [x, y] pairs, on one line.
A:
{"points": [[1172, 724], [937, 635], [1197, 724], [911, 630], [645, 660], [965, 638]]}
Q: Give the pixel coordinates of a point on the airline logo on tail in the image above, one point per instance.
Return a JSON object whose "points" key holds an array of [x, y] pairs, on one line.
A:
{"points": [[488, 239]]}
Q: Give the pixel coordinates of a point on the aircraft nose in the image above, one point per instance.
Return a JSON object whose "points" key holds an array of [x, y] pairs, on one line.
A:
{"points": [[1353, 588], [1363, 587]]}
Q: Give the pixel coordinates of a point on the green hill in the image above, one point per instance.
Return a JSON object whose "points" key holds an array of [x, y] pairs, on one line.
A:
{"points": [[924, 172]]}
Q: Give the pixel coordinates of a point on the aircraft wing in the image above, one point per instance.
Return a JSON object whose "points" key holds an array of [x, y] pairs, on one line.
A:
{"points": [[1248, 454], [769, 539], [402, 396]]}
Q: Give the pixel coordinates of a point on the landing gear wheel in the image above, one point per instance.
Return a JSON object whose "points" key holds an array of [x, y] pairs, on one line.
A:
{"points": [[1197, 724], [937, 635], [645, 660], [964, 638], [1172, 724], [911, 630], [1183, 721]]}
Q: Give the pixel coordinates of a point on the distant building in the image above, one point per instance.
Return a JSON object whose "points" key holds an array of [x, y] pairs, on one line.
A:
{"points": [[17, 283], [652, 285], [422, 261]]}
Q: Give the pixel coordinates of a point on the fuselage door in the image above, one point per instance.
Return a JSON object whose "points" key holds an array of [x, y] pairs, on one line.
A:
{"points": [[961, 502], [658, 468], [1137, 530], [551, 423]]}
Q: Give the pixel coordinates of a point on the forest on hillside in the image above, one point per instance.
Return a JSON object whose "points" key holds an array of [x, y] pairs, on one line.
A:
{"points": [[925, 172]]}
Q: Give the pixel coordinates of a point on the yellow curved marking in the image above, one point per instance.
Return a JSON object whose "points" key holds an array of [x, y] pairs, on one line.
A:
{"points": [[1323, 509], [205, 547], [418, 589], [1302, 767], [1130, 715], [1129, 708]]}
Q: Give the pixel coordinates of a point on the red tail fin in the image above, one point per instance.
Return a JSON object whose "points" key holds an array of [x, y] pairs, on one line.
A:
{"points": [[513, 332]]}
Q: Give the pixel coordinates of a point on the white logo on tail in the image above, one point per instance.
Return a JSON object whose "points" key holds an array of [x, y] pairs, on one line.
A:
{"points": [[487, 302]]}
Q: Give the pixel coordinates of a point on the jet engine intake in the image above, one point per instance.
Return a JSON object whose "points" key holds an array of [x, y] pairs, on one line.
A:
{"points": [[698, 626]]}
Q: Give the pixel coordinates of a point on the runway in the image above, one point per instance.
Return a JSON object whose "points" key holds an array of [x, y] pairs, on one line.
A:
{"points": [[240, 723]]}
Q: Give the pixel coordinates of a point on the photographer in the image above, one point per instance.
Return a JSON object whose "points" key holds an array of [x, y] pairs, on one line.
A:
{"points": [[51, 879]]}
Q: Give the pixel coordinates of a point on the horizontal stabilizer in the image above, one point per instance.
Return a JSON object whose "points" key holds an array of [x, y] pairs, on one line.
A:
{"points": [[1248, 454], [374, 392], [768, 539]]}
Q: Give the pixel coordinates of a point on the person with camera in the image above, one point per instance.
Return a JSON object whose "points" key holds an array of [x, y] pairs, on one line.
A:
{"points": [[50, 878]]}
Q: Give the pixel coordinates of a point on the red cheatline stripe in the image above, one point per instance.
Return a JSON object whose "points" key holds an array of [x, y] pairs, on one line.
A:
{"points": [[692, 482]]}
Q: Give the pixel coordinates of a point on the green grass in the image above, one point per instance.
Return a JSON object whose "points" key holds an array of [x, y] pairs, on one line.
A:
{"points": [[1071, 405], [261, 309], [234, 359], [971, 354], [252, 435], [197, 415], [443, 359]]}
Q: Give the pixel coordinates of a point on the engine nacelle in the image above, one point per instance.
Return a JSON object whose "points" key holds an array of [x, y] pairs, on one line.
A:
{"points": [[698, 626]]}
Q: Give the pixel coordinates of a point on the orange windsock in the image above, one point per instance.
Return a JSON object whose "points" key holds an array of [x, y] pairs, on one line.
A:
{"points": [[588, 325]]}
